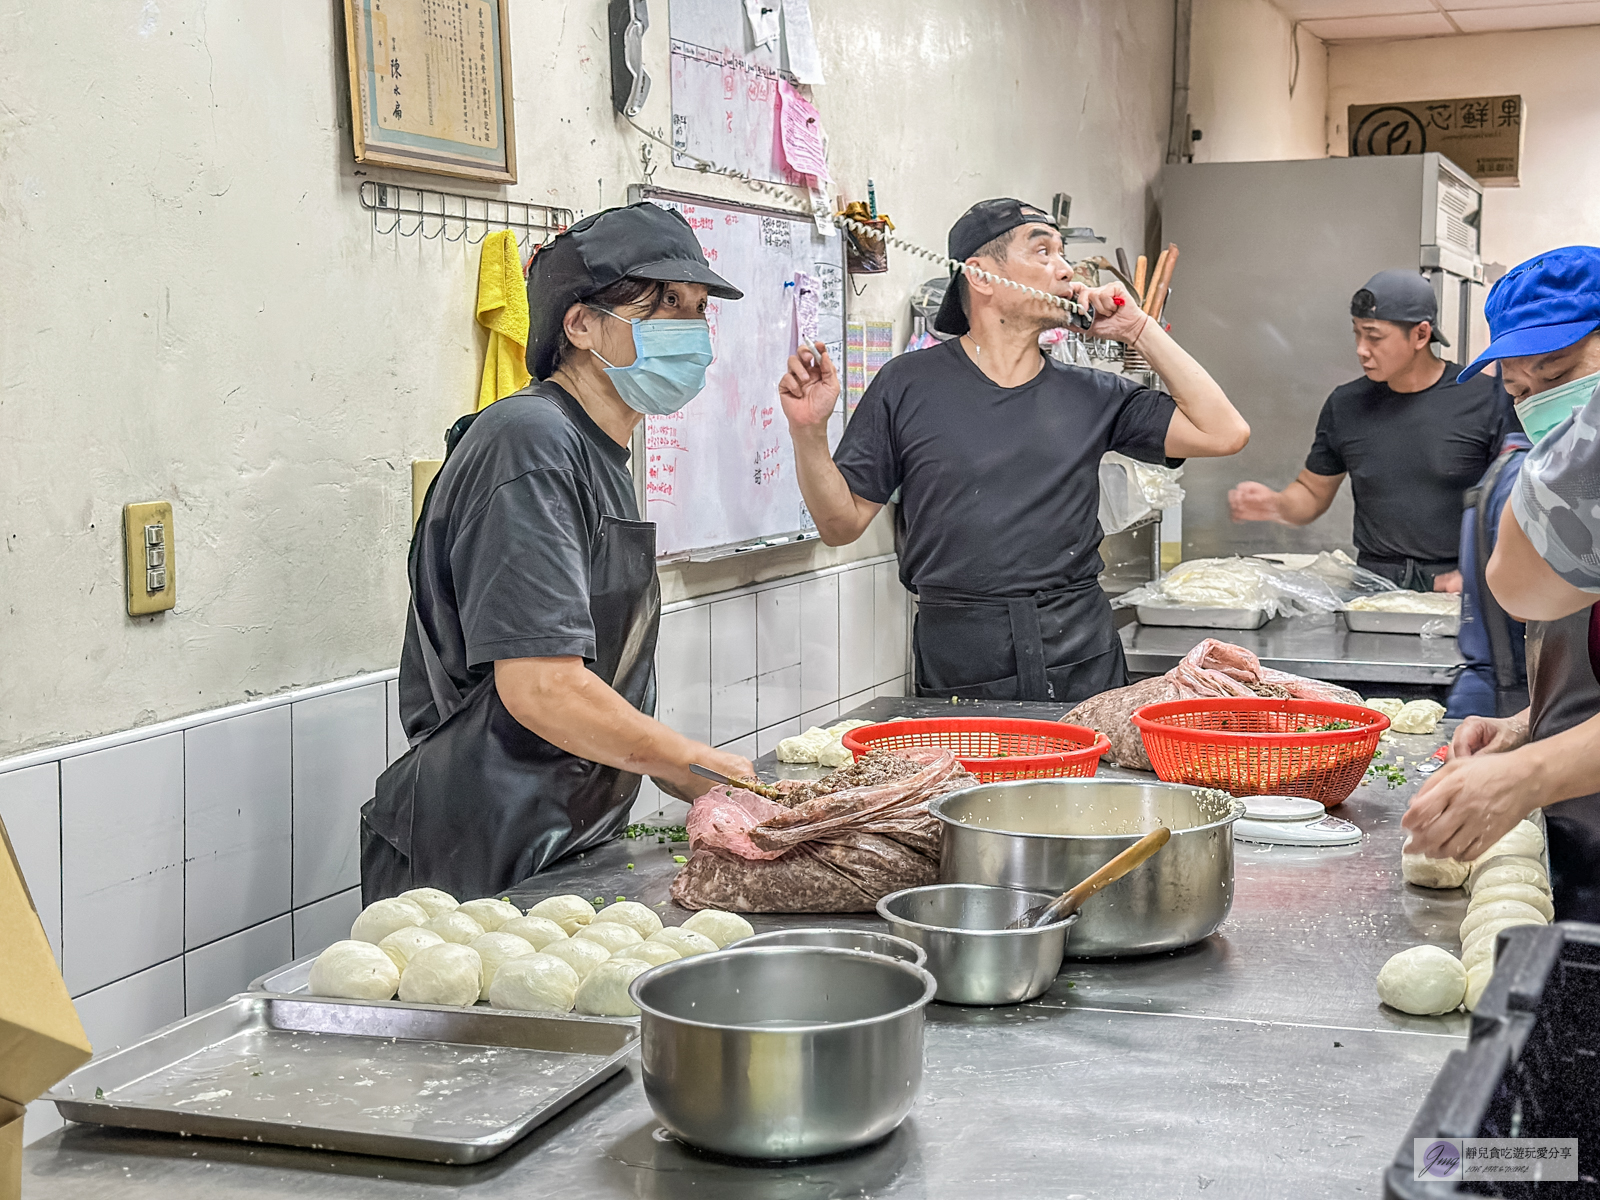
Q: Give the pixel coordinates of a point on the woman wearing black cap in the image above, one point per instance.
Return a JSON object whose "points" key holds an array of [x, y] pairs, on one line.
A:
{"points": [[527, 678]]}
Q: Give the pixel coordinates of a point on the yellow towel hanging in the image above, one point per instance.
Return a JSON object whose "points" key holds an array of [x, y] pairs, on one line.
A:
{"points": [[503, 311]]}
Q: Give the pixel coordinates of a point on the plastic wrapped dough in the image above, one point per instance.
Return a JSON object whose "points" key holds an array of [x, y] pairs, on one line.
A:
{"points": [[354, 970], [382, 917], [804, 747], [535, 983], [495, 950], [456, 927], [631, 913], [570, 912], [686, 942], [431, 900], [580, 954], [613, 935], [490, 913], [538, 932], [403, 943], [1425, 980], [442, 974], [604, 993]]}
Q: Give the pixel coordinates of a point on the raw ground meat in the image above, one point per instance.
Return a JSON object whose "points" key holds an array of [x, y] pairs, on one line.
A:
{"points": [[841, 845], [1211, 669]]}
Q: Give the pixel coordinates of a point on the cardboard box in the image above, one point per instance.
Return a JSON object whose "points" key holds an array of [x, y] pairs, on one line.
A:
{"points": [[1480, 134], [41, 1039]]}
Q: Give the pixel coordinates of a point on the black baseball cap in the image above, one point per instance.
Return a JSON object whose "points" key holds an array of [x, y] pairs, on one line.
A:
{"points": [[641, 241], [978, 226], [1402, 296]]}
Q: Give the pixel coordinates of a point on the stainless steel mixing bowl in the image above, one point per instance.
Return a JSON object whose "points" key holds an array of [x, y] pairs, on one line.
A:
{"points": [[1050, 834], [972, 954], [782, 1051], [841, 939]]}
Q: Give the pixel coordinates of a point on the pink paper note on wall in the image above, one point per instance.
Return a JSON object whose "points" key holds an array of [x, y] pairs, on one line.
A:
{"points": [[801, 133]]}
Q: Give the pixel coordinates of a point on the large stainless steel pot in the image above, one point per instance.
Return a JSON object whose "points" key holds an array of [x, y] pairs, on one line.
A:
{"points": [[1049, 834], [782, 1051]]}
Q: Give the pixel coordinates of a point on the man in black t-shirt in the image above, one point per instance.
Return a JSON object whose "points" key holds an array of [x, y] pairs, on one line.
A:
{"points": [[1410, 437], [995, 449]]}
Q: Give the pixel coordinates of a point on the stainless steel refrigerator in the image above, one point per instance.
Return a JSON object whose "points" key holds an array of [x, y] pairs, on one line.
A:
{"points": [[1269, 255]]}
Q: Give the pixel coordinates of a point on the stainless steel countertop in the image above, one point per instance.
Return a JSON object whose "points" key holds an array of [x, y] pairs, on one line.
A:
{"points": [[1318, 646], [1256, 1064]]}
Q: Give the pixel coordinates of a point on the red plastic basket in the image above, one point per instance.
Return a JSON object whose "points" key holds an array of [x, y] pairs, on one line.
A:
{"points": [[1262, 747], [993, 748]]}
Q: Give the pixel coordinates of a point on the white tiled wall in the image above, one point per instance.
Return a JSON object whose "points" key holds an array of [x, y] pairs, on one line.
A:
{"points": [[171, 865]]}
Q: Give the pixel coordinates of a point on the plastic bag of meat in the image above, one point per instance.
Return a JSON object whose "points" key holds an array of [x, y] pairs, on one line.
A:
{"points": [[1211, 669], [839, 845]]}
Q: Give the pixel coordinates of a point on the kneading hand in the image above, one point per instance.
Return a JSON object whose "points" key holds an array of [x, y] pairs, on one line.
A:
{"points": [[1468, 805], [809, 388], [1488, 735]]}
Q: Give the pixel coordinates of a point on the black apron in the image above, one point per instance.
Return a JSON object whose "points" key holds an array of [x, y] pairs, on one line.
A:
{"points": [[1566, 694], [1410, 574], [1059, 646], [480, 802]]}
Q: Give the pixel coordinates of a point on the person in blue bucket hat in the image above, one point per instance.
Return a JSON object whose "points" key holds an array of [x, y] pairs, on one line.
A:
{"points": [[1545, 320]]}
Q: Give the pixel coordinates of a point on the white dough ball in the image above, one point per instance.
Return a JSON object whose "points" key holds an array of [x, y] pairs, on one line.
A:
{"points": [[686, 942], [580, 954], [1478, 977], [354, 970], [570, 912], [1479, 946], [538, 932], [456, 927], [431, 900], [496, 949], [605, 992], [613, 935], [403, 943], [382, 917], [444, 974], [1498, 910], [632, 914], [1433, 872], [1524, 893], [723, 928], [1525, 841], [1532, 869], [654, 953], [1512, 870], [491, 914], [1424, 980], [535, 983]]}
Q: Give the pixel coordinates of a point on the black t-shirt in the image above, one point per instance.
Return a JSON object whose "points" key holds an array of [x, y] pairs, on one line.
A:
{"points": [[999, 487], [1410, 455], [504, 549]]}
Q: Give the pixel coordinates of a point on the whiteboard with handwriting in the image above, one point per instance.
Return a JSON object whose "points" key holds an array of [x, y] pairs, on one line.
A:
{"points": [[720, 474]]}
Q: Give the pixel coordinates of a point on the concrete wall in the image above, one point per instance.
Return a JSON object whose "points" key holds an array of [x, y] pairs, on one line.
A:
{"points": [[1553, 70], [196, 307], [1242, 64]]}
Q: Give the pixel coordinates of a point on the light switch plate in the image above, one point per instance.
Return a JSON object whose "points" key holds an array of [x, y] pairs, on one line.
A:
{"points": [[147, 538]]}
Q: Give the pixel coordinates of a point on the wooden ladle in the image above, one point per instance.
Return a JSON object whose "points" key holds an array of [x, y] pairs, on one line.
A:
{"points": [[1064, 905]]}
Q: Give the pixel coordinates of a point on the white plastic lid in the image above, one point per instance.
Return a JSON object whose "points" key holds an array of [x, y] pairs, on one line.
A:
{"points": [[1281, 808]]}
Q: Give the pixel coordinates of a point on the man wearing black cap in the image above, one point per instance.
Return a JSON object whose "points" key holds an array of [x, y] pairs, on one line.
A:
{"points": [[527, 683], [995, 449], [1410, 437]]}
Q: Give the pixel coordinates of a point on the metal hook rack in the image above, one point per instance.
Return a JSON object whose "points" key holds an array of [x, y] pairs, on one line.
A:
{"points": [[412, 212]]}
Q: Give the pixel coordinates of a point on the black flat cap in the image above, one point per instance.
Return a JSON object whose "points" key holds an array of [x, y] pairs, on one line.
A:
{"points": [[641, 241]]}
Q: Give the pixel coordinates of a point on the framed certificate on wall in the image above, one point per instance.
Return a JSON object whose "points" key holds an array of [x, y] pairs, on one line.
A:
{"points": [[430, 86]]}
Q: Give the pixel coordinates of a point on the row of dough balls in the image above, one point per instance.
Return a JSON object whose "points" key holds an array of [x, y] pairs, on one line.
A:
{"points": [[1509, 886], [562, 954]]}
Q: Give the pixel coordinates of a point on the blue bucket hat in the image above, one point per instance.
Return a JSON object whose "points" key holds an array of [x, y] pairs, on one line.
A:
{"points": [[1541, 305]]}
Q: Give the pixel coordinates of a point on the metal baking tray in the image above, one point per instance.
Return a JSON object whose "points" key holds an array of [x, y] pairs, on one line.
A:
{"points": [[1204, 618], [291, 979], [418, 1081], [1357, 621]]}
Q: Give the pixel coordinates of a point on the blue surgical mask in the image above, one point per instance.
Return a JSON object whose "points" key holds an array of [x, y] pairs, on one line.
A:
{"points": [[669, 364], [1541, 413]]}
